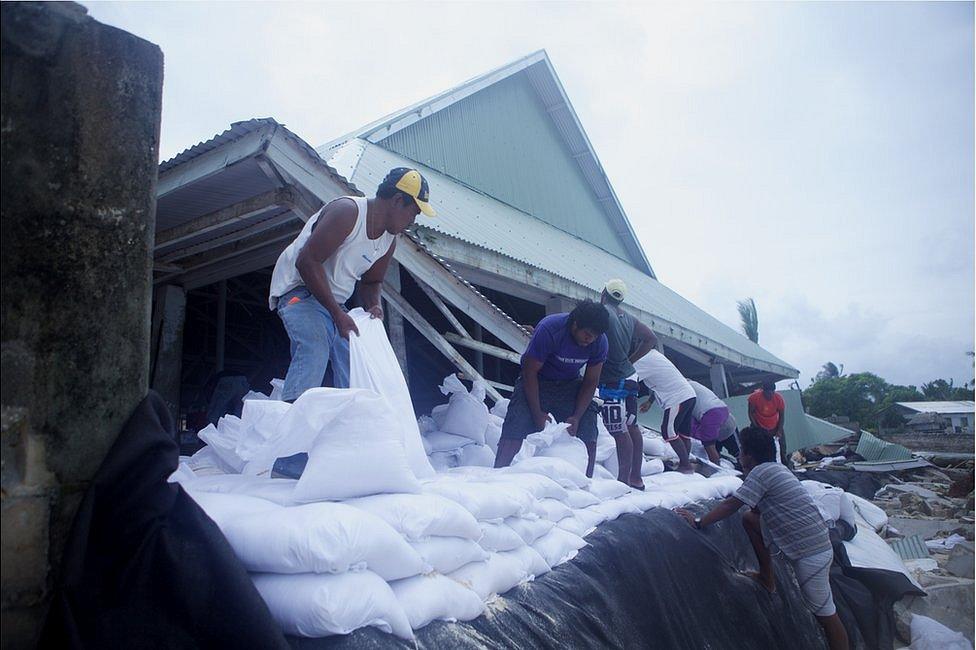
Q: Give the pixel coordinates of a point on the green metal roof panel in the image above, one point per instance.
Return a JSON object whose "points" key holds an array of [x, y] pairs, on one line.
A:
{"points": [[502, 142], [875, 449], [483, 221]]}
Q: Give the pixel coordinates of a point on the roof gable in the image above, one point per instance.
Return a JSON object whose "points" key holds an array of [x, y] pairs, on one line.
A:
{"points": [[512, 134]]}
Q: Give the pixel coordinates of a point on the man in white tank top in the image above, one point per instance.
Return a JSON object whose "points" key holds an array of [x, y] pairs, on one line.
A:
{"points": [[349, 240]]}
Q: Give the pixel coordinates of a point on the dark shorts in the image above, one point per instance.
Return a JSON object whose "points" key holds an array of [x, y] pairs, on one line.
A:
{"points": [[730, 444], [556, 397], [677, 420]]}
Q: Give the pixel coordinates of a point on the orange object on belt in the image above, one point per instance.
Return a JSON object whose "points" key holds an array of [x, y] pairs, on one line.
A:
{"points": [[294, 299]]}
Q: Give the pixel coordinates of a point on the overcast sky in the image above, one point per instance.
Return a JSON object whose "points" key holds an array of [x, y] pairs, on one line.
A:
{"points": [[816, 157]]}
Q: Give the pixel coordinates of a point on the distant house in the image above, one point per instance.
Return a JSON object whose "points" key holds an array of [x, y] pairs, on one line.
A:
{"points": [[938, 417]]}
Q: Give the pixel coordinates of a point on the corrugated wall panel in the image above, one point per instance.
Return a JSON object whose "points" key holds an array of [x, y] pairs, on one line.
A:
{"points": [[501, 142]]}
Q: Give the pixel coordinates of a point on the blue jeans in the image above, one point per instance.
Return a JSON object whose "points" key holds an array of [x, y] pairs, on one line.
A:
{"points": [[315, 341]]}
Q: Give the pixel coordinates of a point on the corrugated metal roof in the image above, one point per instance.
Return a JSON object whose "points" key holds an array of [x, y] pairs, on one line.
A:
{"points": [[875, 449], [544, 80], [477, 219], [943, 408], [910, 548]]}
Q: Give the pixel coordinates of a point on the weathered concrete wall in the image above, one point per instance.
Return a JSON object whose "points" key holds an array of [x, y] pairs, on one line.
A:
{"points": [[79, 107]]}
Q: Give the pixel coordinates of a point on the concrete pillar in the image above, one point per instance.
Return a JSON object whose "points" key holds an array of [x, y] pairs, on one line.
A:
{"points": [[80, 107], [167, 367], [394, 321], [558, 305], [716, 373]]}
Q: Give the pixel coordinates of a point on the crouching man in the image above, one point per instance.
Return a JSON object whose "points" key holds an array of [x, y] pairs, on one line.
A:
{"points": [[561, 346], [781, 508]]}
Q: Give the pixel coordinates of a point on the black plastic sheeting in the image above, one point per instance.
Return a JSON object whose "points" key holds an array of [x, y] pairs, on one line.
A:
{"points": [[863, 484], [144, 567]]}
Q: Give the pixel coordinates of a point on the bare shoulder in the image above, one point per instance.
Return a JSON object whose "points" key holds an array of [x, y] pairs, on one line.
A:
{"points": [[340, 211]]}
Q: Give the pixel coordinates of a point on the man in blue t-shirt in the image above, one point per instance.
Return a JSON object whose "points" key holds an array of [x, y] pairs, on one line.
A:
{"points": [[561, 345]]}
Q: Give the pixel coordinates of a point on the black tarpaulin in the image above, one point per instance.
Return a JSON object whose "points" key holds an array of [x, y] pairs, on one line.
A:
{"points": [[144, 567]]}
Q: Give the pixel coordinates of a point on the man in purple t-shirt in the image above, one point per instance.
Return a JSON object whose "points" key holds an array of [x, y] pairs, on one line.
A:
{"points": [[561, 345]]}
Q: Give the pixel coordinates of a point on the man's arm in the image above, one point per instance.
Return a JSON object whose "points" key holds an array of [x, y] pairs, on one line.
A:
{"points": [[724, 510], [782, 418], [584, 397], [648, 341], [333, 226], [371, 284], [530, 382]]}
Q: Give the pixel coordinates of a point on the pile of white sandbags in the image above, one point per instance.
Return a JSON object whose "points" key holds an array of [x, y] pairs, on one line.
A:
{"points": [[461, 433]]}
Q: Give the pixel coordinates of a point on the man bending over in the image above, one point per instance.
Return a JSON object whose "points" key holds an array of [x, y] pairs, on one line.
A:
{"points": [[561, 346], [782, 510]]}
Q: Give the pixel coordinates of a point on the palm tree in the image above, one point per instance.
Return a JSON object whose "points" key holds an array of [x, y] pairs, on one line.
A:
{"points": [[750, 319]]}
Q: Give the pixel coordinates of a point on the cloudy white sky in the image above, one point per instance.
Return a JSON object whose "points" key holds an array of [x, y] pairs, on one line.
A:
{"points": [[816, 157]]}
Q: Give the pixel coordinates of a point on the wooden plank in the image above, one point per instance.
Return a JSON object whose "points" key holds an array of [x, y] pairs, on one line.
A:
{"points": [[243, 233], [444, 309], [487, 348], [501, 386], [437, 340], [429, 271], [241, 211]]}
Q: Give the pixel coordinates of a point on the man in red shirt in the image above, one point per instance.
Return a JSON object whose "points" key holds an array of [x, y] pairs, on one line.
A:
{"points": [[767, 410]]}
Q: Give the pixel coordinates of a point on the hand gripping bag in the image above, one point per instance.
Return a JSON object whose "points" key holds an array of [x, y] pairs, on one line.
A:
{"points": [[555, 442], [317, 605], [373, 365], [321, 538], [435, 597]]}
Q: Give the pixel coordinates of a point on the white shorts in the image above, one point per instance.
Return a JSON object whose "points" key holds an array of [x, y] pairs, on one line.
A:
{"points": [[813, 574]]}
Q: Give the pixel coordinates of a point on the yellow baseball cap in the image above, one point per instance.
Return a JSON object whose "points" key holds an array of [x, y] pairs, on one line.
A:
{"points": [[616, 289], [415, 185]]}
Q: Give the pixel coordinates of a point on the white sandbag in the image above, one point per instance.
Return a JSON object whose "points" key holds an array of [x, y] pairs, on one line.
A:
{"points": [[494, 576], [206, 462], [473, 472], [608, 489], [445, 554], [644, 501], [500, 409], [476, 456], [716, 487], [226, 508], [493, 432], [374, 366], [552, 510], [417, 516], [484, 501], [612, 465], [426, 424], [277, 490], [354, 444], [929, 634], [529, 529], [437, 415], [555, 442], [321, 538], [613, 508], [652, 466], [605, 444], [673, 479], [223, 441], [316, 605], [435, 597], [588, 517], [601, 472], [555, 468], [558, 546], [869, 513], [655, 445], [277, 386], [580, 499], [498, 536], [435, 441], [534, 564], [182, 474], [259, 422], [575, 525], [443, 461], [467, 413], [539, 486]]}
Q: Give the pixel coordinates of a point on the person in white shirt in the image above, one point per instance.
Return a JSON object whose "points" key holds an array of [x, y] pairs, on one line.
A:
{"points": [[349, 240], [675, 395]]}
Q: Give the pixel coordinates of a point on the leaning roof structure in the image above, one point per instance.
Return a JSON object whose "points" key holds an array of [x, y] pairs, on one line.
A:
{"points": [[942, 408]]}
